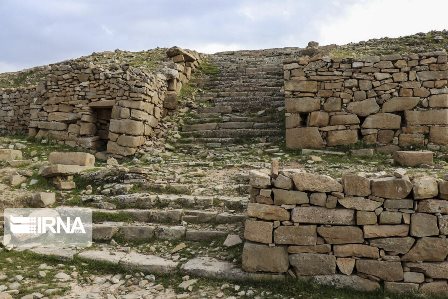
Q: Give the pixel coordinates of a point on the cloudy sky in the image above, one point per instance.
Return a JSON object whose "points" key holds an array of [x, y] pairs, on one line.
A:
{"points": [[37, 32]]}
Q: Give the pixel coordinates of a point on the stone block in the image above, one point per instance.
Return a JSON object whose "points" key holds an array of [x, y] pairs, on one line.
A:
{"points": [[425, 187], [400, 287], [258, 231], [359, 203], [438, 101], [356, 185], [391, 188], [387, 271], [344, 119], [10, 155], [342, 137], [72, 158], [428, 249], [43, 199], [382, 121], [267, 212], [345, 265], [433, 206], [296, 235], [127, 126], [347, 281], [320, 215], [400, 104], [302, 105], [429, 117], [114, 148], [443, 190], [321, 248], [289, 197], [130, 141], [341, 234], [258, 179], [363, 108], [297, 138], [413, 158], [262, 258], [356, 250], [318, 119], [394, 245], [301, 85], [365, 218], [432, 270], [315, 182], [283, 182], [434, 288], [383, 231], [388, 217], [61, 170], [311, 264], [438, 135]]}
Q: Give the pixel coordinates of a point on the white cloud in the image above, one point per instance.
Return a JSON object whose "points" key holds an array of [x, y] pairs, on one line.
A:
{"points": [[210, 48], [8, 67], [379, 18]]}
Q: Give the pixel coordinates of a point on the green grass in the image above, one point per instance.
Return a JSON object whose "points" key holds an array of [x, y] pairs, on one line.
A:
{"points": [[209, 69]]}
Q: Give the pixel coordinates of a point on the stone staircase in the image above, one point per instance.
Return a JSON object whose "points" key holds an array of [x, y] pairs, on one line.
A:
{"points": [[243, 100], [139, 217]]}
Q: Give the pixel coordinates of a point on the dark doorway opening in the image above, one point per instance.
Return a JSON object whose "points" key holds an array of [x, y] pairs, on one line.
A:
{"points": [[103, 116]]}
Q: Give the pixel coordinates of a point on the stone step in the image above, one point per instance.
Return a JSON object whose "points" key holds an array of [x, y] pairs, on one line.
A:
{"points": [[167, 216], [224, 133], [200, 266], [229, 125], [141, 200], [137, 232]]}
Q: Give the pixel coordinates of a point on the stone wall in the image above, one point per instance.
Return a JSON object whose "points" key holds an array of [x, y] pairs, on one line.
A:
{"points": [[114, 109], [388, 100], [15, 109], [359, 231]]}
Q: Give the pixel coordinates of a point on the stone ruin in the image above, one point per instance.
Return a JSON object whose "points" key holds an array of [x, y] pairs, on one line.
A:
{"points": [[390, 101], [84, 105], [353, 232]]}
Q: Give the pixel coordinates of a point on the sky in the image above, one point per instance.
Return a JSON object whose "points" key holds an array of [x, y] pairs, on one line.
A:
{"points": [[39, 32]]}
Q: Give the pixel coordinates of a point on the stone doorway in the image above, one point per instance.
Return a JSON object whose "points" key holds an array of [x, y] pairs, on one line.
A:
{"points": [[102, 116]]}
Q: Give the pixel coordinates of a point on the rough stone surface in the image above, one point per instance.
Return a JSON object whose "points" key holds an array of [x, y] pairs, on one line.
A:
{"points": [[262, 258], [388, 271], [310, 264], [316, 182], [319, 215], [341, 234]]}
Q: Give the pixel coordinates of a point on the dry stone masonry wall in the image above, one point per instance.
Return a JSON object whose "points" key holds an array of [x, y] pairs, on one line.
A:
{"points": [[384, 100], [358, 231], [82, 104]]}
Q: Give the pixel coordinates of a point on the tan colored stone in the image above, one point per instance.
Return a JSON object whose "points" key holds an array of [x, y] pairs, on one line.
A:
{"points": [[433, 270], [322, 248], [318, 119], [315, 182], [359, 203], [283, 182], [72, 158], [356, 185], [342, 137], [43, 199], [438, 135], [10, 155], [310, 137], [396, 245], [114, 148], [344, 119], [267, 212], [400, 287], [341, 234], [310, 264], [289, 197], [400, 104], [296, 235], [303, 86], [381, 231], [425, 187], [430, 117], [363, 108], [428, 249], [258, 179], [438, 101], [262, 258], [434, 288], [345, 265], [365, 218], [415, 277], [347, 281], [127, 126], [320, 215], [258, 231], [391, 187], [407, 140], [433, 206], [413, 158], [382, 121], [388, 271], [388, 217], [356, 250], [64, 170], [443, 190], [432, 75], [131, 141], [302, 105]]}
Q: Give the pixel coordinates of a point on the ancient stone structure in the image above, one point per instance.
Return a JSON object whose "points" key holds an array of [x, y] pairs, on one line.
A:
{"points": [[392, 99], [353, 232], [114, 109]]}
